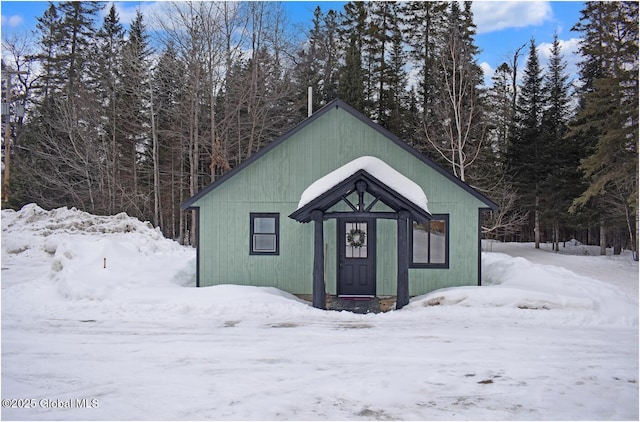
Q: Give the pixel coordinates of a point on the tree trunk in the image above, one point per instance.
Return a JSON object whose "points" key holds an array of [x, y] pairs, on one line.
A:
{"points": [[617, 243], [114, 153], [156, 163], [536, 223], [634, 238], [183, 219], [603, 238], [194, 164], [633, 231]]}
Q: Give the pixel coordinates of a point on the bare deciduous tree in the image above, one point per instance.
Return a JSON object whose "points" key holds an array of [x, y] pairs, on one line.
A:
{"points": [[509, 218], [459, 140]]}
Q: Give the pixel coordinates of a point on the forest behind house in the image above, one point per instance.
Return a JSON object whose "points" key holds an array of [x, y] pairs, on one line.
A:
{"points": [[108, 119]]}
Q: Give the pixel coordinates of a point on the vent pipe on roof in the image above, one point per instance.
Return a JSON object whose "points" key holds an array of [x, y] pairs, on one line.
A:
{"points": [[310, 102]]}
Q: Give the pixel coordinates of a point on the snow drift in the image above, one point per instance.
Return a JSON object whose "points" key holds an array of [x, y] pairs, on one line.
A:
{"points": [[518, 283]]}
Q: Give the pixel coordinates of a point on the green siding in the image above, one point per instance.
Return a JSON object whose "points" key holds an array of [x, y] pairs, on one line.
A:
{"points": [[275, 182]]}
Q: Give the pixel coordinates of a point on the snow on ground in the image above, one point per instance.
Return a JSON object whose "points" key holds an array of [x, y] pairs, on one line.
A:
{"points": [[547, 337], [619, 270]]}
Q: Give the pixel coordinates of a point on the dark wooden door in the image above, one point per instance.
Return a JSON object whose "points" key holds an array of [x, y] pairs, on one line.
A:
{"points": [[356, 257]]}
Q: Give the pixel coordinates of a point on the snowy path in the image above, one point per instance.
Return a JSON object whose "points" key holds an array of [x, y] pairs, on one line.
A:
{"points": [[432, 363]]}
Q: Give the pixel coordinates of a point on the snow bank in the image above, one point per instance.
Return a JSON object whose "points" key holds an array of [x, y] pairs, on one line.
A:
{"points": [[114, 265], [33, 220], [87, 256], [517, 283], [34, 227], [70, 255]]}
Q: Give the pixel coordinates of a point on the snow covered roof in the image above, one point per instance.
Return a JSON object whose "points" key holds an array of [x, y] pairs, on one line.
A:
{"points": [[376, 168]]}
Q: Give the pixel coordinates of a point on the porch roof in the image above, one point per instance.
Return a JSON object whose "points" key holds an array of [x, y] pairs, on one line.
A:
{"points": [[368, 174]]}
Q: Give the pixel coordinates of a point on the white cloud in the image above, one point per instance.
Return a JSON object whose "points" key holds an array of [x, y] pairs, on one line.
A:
{"points": [[12, 21], [569, 51], [487, 71], [151, 10], [568, 47], [492, 16]]}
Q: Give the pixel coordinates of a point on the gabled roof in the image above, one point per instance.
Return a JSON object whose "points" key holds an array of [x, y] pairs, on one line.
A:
{"points": [[337, 103], [379, 190], [375, 167]]}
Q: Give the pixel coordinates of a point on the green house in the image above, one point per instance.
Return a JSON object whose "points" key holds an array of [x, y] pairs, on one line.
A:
{"points": [[340, 206]]}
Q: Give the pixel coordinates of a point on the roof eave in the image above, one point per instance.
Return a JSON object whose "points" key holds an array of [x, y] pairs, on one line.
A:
{"points": [[389, 196]]}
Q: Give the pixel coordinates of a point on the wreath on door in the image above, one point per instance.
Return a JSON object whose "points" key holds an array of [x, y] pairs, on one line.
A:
{"points": [[356, 238]]}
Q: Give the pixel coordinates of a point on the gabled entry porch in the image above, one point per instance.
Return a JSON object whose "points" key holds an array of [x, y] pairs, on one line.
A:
{"points": [[356, 239]]}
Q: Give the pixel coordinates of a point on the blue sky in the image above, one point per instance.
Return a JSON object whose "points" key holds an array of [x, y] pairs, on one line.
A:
{"points": [[502, 26]]}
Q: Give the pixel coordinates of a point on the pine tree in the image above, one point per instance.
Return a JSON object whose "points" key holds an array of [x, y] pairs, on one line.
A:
{"points": [[395, 97], [351, 85], [331, 57], [169, 93], [76, 37], [426, 25], [66, 157], [609, 111], [134, 128], [558, 187], [526, 155], [317, 65], [379, 36], [308, 69], [351, 77], [47, 26], [500, 110], [105, 79]]}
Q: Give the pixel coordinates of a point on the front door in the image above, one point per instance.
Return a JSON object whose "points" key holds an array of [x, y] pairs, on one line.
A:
{"points": [[356, 257]]}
